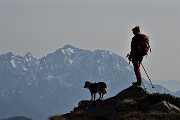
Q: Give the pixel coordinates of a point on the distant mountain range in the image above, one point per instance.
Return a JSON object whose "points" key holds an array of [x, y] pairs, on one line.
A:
{"points": [[53, 84], [173, 85]]}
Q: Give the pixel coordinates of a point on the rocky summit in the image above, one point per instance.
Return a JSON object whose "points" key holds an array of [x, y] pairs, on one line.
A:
{"points": [[133, 103]]}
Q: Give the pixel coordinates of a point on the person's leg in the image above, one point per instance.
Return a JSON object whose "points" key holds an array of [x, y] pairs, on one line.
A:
{"points": [[137, 71]]}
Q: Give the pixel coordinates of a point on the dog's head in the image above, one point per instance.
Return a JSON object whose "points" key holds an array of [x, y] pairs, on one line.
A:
{"points": [[87, 84]]}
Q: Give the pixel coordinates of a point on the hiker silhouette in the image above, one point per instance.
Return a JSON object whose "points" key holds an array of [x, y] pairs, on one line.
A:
{"points": [[139, 48]]}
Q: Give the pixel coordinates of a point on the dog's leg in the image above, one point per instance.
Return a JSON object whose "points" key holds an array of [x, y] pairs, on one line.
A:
{"points": [[91, 96], [102, 96], [99, 95], [94, 96]]}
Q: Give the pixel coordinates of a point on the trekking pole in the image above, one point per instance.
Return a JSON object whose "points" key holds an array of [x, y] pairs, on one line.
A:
{"points": [[147, 75], [143, 85]]}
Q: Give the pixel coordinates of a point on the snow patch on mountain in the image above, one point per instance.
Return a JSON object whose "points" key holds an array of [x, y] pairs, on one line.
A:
{"points": [[13, 63]]}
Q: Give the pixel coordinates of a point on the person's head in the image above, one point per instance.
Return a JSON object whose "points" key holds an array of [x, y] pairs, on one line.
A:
{"points": [[136, 30]]}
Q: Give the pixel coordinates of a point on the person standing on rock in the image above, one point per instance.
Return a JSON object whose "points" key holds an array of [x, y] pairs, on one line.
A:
{"points": [[139, 48]]}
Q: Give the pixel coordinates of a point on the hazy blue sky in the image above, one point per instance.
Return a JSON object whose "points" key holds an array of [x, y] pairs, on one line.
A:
{"points": [[43, 26]]}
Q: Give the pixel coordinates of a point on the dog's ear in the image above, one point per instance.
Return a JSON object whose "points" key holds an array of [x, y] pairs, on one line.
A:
{"points": [[85, 84]]}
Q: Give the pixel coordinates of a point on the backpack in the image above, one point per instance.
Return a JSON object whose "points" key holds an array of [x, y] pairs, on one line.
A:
{"points": [[143, 46]]}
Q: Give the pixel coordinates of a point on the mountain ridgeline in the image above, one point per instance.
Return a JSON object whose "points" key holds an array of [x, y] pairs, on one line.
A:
{"points": [[53, 84], [133, 103]]}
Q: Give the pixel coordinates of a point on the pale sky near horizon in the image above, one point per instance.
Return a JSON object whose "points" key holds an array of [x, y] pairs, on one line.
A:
{"points": [[43, 26]]}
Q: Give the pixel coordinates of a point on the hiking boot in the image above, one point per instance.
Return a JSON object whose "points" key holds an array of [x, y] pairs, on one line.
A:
{"points": [[137, 83]]}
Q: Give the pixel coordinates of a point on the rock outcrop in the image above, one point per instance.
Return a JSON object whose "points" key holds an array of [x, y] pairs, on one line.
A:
{"points": [[130, 104], [165, 106]]}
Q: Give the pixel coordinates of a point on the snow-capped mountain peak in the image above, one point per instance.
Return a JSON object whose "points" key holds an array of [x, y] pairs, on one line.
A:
{"points": [[69, 47]]}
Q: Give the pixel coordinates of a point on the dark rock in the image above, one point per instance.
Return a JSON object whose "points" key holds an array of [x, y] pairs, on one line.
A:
{"points": [[129, 104], [165, 106]]}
